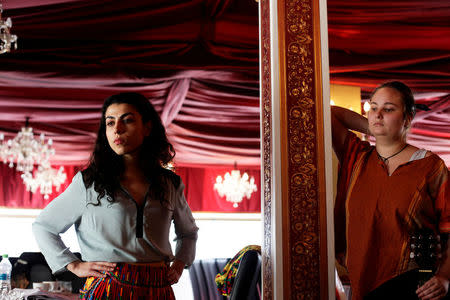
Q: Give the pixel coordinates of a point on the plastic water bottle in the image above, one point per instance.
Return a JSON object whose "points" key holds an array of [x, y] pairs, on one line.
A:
{"points": [[5, 275]]}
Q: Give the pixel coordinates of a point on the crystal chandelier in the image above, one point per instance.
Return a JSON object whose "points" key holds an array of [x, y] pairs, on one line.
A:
{"points": [[234, 186], [44, 178], [7, 40], [26, 152]]}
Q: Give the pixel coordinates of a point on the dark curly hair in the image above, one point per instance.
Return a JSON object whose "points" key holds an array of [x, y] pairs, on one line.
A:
{"points": [[105, 166], [406, 94]]}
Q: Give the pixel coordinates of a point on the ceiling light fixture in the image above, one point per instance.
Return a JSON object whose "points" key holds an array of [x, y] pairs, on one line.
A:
{"points": [[234, 186], [25, 151], [7, 40]]}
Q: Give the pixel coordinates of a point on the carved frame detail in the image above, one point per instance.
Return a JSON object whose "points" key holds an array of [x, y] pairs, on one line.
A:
{"points": [[266, 121], [302, 207], [303, 259]]}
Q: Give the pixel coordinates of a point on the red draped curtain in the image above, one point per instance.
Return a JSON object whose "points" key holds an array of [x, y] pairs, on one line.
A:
{"points": [[202, 197], [211, 117], [13, 193], [199, 192]]}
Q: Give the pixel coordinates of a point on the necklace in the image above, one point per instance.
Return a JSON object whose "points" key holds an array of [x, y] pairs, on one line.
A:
{"points": [[385, 159]]}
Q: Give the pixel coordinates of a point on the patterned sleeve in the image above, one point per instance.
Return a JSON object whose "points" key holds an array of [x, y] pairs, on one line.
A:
{"points": [[440, 191]]}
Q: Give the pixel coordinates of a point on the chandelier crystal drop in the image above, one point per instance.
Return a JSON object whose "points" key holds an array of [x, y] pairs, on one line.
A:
{"points": [[27, 152], [7, 40], [235, 187], [44, 178]]}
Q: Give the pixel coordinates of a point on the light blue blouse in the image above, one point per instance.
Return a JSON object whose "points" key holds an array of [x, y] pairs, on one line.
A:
{"points": [[118, 231]]}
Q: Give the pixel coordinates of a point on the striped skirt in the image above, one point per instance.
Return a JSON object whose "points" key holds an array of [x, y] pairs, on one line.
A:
{"points": [[130, 282]]}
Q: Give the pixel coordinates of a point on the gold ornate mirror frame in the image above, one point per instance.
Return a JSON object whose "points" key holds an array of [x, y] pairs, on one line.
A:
{"points": [[297, 256]]}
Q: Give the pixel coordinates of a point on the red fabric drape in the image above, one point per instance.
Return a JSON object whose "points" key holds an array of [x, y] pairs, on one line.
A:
{"points": [[135, 38], [211, 117], [216, 122], [202, 197], [375, 41], [369, 41], [199, 190], [13, 193]]}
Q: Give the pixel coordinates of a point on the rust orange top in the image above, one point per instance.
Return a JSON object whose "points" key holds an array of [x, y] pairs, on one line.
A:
{"points": [[376, 214]]}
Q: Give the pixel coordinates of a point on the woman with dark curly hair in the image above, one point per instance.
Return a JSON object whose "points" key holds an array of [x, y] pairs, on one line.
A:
{"points": [[122, 206]]}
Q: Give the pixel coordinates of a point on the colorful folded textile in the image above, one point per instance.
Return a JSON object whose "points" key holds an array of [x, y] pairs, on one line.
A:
{"points": [[225, 279]]}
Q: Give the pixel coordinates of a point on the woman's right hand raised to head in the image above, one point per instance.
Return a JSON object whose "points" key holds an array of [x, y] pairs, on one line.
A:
{"points": [[90, 268]]}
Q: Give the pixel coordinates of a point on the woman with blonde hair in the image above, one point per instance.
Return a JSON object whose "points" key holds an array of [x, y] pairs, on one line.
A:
{"points": [[386, 194]]}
